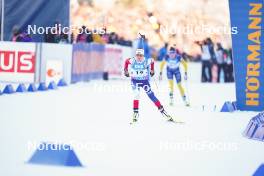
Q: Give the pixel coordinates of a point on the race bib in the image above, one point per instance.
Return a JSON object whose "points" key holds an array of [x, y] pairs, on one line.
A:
{"points": [[139, 73], [139, 70], [173, 64]]}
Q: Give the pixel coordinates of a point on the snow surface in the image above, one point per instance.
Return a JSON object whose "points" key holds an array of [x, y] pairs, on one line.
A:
{"points": [[209, 143]]}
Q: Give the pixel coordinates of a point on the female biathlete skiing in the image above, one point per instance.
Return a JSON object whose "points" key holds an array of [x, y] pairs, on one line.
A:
{"points": [[173, 61], [140, 69]]}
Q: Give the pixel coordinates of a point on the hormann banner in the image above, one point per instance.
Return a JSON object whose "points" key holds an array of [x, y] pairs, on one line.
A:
{"points": [[247, 16]]}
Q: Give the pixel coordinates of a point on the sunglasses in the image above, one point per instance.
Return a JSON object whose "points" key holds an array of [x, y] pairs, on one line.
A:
{"points": [[140, 55]]}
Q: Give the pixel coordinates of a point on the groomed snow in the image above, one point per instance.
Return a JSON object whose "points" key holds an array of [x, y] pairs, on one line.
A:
{"points": [[209, 143]]}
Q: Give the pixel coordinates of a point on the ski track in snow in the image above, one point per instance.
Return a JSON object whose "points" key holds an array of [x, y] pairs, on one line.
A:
{"points": [[83, 113]]}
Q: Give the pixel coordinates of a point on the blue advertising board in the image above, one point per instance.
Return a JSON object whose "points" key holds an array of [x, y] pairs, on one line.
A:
{"points": [[248, 54]]}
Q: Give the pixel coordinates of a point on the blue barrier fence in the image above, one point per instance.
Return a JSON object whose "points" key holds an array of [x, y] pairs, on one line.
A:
{"points": [[87, 62]]}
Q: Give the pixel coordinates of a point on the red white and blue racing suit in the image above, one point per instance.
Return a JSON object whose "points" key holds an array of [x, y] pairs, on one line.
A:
{"points": [[140, 75]]}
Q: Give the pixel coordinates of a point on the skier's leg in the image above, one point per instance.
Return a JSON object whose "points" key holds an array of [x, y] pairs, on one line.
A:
{"points": [[178, 80], [136, 92], [171, 86], [151, 95], [136, 101], [155, 100], [180, 87], [146, 86]]}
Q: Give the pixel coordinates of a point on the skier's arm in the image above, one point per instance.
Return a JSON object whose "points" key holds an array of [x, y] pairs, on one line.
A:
{"points": [[127, 62], [184, 63], [185, 66], [162, 66]]}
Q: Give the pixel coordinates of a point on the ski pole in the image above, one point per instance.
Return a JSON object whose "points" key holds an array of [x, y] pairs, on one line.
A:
{"points": [[187, 90]]}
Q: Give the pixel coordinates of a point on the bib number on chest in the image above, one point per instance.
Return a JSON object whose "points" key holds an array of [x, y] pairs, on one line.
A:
{"points": [[139, 73]]}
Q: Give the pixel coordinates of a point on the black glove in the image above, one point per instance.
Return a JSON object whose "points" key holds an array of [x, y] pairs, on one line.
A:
{"points": [[126, 73], [152, 73], [143, 37]]}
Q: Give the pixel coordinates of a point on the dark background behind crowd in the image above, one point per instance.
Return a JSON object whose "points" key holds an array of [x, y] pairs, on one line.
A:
{"points": [[54, 35]]}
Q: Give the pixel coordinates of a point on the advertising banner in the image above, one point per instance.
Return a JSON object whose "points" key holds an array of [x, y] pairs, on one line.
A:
{"points": [[55, 62], [54, 71], [17, 62], [248, 53]]}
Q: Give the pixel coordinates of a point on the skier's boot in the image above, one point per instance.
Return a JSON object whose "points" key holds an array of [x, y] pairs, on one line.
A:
{"points": [[135, 117], [165, 114], [171, 99], [186, 103]]}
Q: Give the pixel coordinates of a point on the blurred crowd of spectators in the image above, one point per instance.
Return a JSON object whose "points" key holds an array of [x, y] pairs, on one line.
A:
{"points": [[217, 61], [83, 36], [102, 37], [20, 36]]}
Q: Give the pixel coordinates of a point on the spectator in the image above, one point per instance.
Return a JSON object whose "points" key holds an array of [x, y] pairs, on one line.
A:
{"points": [[54, 34], [24, 37], [97, 38], [65, 39], [163, 52], [211, 50], [206, 61], [15, 33], [82, 36], [121, 41], [89, 37], [229, 76], [112, 38], [105, 36], [20, 36], [212, 59], [220, 59]]}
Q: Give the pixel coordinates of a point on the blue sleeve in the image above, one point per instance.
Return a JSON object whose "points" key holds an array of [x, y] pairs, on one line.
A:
{"points": [[166, 57]]}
